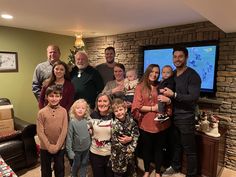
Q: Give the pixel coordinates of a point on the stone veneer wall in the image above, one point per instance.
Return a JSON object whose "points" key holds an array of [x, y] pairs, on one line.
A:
{"points": [[129, 52]]}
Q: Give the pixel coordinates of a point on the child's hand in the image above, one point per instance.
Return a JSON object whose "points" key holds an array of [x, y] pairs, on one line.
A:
{"points": [[90, 131], [162, 90], [124, 139], [52, 149]]}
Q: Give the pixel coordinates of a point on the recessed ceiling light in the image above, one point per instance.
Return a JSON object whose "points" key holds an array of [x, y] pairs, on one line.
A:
{"points": [[7, 16]]}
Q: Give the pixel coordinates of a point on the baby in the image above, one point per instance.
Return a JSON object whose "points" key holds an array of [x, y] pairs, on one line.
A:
{"points": [[130, 84], [166, 81]]}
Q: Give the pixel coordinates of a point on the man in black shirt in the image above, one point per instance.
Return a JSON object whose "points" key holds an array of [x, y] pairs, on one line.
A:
{"points": [[86, 80], [187, 91]]}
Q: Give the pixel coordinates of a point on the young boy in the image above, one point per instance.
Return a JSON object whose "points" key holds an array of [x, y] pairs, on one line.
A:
{"points": [[166, 81], [130, 84], [52, 126], [124, 139]]}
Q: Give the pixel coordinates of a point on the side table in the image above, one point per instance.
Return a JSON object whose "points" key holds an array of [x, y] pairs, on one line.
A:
{"points": [[211, 154]]}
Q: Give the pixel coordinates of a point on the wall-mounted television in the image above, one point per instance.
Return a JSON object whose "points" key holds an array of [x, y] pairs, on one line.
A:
{"points": [[202, 57]]}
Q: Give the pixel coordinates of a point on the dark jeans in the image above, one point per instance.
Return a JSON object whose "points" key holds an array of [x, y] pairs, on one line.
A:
{"points": [[184, 135], [169, 146], [152, 149], [100, 165], [129, 98], [161, 107], [46, 158]]}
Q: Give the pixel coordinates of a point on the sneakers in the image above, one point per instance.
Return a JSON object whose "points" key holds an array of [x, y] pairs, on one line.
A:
{"points": [[169, 171], [161, 117]]}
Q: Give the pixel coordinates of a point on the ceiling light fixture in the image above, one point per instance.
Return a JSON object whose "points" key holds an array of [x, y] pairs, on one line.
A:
{"points": [[78, 41], [7, 16]]}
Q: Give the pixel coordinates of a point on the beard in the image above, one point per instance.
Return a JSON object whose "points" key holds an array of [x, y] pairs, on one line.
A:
{"points": [[83, 66], [110, 61]]}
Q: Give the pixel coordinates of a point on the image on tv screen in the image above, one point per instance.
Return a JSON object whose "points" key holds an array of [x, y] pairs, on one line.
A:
{"points": [[201, 58]]}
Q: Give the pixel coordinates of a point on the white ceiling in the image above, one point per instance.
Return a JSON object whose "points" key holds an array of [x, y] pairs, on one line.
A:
{"points": [[107, 17]]}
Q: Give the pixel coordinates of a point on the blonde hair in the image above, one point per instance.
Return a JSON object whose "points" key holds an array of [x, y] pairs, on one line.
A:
{"points": [[133, 71], [72, 109], [167, 66], [118, 102]]}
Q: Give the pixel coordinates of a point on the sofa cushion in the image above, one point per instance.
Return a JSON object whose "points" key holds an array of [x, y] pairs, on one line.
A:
{"points": [[9, 135]]}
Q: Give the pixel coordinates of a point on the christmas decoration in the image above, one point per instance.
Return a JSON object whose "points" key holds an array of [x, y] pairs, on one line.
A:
{"points": [[79, 46]]}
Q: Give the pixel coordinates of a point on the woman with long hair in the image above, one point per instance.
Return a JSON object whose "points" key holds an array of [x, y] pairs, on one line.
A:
{"points": [[61, 78], [144, 110]]}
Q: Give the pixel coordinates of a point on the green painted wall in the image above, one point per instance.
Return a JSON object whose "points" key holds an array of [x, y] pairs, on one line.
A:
{"points": [[31, 48]]}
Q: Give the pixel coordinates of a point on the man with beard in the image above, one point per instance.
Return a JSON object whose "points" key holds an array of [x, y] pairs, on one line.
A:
{"points": [[106, 69], [187, 91], [86, 80]]}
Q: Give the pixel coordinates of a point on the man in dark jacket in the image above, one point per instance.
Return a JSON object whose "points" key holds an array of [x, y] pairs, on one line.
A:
{"points": [[87, 81]]}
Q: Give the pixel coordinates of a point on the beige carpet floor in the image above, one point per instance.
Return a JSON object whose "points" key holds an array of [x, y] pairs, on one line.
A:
{"points": [[35, 171]]}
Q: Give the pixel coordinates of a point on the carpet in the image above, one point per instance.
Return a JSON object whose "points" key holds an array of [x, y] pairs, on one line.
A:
{"points": [[35, 171]]}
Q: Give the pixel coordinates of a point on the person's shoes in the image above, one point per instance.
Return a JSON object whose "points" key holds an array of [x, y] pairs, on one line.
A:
{"points": [[169, 171], [161, 117]]}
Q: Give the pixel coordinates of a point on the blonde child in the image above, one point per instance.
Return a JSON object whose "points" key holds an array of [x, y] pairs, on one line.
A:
{"points": [[52, 123], [124, 139], [78, 138], [130, 84]]}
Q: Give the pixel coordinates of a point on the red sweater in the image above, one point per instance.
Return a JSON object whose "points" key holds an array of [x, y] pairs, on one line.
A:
{"points": [[67, 96], [146, 120]]}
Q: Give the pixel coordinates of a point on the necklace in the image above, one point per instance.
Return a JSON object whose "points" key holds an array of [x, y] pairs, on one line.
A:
{"points": [[60, 81], [79, 73]]}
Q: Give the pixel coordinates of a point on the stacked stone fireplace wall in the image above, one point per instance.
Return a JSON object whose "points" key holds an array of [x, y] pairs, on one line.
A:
{"points": [[129, 52]]}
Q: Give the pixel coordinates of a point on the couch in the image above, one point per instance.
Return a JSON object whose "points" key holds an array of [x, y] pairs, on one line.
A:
{"points": [[18, 149]]}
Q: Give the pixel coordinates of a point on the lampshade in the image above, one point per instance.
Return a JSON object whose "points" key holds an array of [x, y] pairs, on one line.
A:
{"points": [[78, 41]]}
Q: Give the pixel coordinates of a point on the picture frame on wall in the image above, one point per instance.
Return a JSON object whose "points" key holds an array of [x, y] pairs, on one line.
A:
{"points": [[8, 61]]}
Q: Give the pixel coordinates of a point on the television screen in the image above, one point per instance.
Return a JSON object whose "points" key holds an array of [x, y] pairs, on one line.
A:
{"points": [[202, 58]]}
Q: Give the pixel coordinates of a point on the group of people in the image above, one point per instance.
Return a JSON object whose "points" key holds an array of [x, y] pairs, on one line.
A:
{"points": [[112, 114]]}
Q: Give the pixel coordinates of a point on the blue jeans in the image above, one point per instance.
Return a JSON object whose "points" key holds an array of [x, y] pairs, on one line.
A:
{"points": [[80, 162]]}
